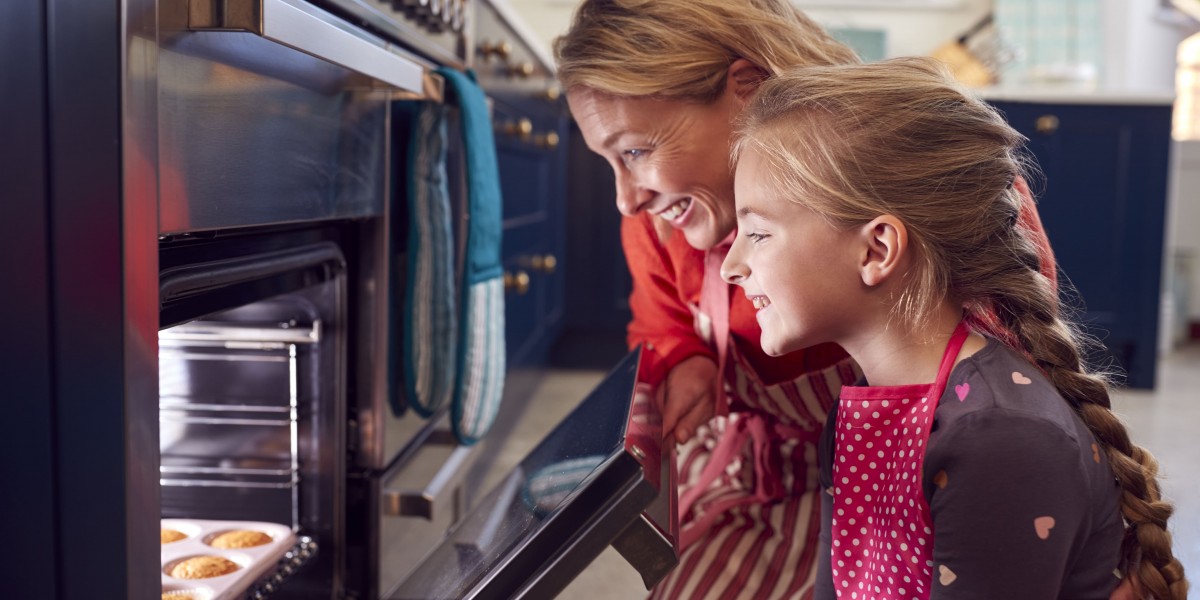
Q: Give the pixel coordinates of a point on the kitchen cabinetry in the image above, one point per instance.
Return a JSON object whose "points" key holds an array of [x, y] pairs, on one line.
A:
{"points": [[1103, 201], [530, 119]]}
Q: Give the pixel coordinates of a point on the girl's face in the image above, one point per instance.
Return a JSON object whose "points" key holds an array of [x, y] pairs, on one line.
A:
{"points": [[800, 272], [670, 158]]}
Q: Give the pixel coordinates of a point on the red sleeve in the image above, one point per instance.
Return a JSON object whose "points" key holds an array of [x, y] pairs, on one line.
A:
{"points": [[1029, 219], [666, 277]]}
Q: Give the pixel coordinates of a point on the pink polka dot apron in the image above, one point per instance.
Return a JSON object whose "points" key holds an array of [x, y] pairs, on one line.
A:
{"points": [[882, 531]]}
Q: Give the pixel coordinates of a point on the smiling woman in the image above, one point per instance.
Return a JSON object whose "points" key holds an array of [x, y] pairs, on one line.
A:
{"points": [[655, 86]]}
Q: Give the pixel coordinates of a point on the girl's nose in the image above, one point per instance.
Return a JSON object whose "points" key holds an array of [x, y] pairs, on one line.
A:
{"points": [[734, 269], [631, 197]]}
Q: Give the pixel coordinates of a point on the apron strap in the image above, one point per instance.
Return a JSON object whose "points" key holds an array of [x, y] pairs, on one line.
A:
{"points": [[957, 339], [714, 302]]}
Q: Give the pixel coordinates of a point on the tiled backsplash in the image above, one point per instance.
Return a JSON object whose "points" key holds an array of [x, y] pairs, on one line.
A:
{"points": [[1055, 40]]}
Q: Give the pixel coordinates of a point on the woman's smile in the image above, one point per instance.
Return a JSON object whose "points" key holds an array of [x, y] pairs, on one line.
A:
{"points": [[676, 214]]}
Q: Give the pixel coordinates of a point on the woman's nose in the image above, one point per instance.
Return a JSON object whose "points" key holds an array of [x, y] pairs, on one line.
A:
{"points": [[631, 197]]}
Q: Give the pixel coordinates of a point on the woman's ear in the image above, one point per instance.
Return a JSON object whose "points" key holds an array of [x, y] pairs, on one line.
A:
{"points": [[743, 79], [884, 249]]}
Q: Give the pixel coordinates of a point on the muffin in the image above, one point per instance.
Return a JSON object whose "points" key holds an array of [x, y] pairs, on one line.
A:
{"points": [[171, 535], [203, 567], [240, 538]]}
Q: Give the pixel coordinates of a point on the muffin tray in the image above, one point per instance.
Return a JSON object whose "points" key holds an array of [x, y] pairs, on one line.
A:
{"points": [[253, 563]]}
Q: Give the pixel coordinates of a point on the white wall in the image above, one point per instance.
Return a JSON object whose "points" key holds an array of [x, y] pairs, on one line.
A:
{"points": [[1140, 41]]}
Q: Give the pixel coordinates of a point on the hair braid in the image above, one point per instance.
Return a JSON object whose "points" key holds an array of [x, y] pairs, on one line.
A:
{"points": [[1027, 305]]}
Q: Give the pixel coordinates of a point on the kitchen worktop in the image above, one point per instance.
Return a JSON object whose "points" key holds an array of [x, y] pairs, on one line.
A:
{"points": [[1056, 94]]}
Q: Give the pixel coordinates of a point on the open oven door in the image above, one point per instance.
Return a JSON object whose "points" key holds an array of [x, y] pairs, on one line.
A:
{"points": [[594, 481]]}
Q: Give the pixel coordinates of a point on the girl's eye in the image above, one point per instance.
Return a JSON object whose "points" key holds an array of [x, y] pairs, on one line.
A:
{"points": [[756, 237]]}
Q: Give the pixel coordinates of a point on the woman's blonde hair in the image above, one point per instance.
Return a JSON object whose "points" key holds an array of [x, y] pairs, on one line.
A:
{"points": [[902, 138], [681, 49]]}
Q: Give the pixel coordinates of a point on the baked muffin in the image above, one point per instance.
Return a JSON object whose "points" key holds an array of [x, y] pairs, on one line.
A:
{"points": [[240, 538], [171, 535], [203, 567]]}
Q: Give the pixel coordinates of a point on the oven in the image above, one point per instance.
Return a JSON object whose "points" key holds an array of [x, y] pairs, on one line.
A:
{"points": [[211, 212]]}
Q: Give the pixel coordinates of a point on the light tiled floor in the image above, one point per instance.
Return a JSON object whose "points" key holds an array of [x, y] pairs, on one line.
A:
{"points": [[1166, 421]]}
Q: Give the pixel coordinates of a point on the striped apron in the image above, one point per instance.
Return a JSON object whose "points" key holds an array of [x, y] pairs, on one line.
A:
{"points": [[748, 492]]}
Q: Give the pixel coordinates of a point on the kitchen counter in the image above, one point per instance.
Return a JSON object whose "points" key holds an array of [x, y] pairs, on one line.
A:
{"points": [[1051, 94]]}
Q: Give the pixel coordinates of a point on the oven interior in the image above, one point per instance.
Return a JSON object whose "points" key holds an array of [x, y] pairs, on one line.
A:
{"points": [[251, 398]]}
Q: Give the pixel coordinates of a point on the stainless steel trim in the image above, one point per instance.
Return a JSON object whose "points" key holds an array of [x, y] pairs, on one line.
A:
{"points": [[301, 26], [441, 491], [228, 484], [232, 332]]}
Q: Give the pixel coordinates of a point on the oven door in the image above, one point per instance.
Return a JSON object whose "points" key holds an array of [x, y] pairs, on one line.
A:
{"points": [[594, 481]]}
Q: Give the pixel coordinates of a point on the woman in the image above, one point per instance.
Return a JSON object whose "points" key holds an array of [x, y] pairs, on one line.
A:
{"points": [[655, 86]]}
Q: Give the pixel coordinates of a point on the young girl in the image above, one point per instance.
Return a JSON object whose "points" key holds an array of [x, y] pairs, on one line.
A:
{"points": [[876, 209]]}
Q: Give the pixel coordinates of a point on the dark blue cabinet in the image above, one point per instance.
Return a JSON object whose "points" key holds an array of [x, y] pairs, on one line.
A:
{"points": [[1103, 202], [531, 149]]}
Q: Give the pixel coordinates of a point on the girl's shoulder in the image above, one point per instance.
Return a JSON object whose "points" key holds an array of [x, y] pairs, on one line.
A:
{"points": [[1003, 388]]}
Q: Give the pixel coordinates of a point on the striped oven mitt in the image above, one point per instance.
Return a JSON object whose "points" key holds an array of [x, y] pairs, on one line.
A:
{"points": [[430, 330], [481, 350]]}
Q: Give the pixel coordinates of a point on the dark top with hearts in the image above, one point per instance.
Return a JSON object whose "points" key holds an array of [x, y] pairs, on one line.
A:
{"points": [[1023, 502]]}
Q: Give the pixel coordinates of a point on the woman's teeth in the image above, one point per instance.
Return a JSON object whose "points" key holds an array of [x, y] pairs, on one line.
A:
{"points": [[760, 302], [673, 212]]}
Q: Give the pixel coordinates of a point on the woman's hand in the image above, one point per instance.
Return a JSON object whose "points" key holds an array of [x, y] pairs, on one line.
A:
{"points": [[686, 397]]}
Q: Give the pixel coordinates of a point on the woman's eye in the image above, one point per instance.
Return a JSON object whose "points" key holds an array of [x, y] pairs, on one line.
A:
{"points": [[633, 154], [756, 237]]}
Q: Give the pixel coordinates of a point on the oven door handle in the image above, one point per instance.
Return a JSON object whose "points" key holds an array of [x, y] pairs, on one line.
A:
{"points": [[443, 492], [304, 27]]}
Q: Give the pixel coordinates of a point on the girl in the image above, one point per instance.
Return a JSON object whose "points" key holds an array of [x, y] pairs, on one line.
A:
{"points": [[876, 209]]}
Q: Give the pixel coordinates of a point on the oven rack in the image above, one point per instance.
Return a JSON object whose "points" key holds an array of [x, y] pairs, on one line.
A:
{"points": [[300, 555]]}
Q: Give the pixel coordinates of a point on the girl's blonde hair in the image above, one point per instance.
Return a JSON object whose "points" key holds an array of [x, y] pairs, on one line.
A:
{"points": [[681, 49], [901, 138]]}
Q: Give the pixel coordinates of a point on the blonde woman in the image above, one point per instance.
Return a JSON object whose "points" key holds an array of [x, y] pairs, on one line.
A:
{"points": [[876, 210], [655, 86]]}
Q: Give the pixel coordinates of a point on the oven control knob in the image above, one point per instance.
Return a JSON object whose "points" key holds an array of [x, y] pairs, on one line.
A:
{"points": [[501, 50], [522, 71]]}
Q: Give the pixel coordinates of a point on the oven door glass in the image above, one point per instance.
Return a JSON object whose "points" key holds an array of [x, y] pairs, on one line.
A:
{"points": [[594, 481]]}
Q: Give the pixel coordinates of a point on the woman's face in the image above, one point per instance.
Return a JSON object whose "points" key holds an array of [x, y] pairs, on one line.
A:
{"points": [[799, 271], [670, 158]]}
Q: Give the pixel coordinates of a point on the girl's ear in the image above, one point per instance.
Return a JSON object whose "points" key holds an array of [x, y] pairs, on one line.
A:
{"points": [[743, 79], [884, 250]]}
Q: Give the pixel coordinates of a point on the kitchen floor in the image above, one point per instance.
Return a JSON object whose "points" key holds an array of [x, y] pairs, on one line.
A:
{"points": [[1166, 421]]}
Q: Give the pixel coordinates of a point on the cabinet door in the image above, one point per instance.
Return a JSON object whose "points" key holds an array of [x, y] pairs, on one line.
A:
{"points": [[531, 156], [1102, 201]]}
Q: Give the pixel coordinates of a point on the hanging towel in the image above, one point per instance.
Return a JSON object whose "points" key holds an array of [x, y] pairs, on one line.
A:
{"points": [[430, 327], [481, 350]]}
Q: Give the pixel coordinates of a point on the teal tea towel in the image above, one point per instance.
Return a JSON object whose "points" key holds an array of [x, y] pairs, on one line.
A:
{"points": [[481, 358], [430, 328]]}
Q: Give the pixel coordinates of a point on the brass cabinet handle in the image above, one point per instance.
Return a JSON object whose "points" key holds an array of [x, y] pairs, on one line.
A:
{"points": [[544, 263], [1046, 124], [517, 282], [548, 140], [522, 128]]}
